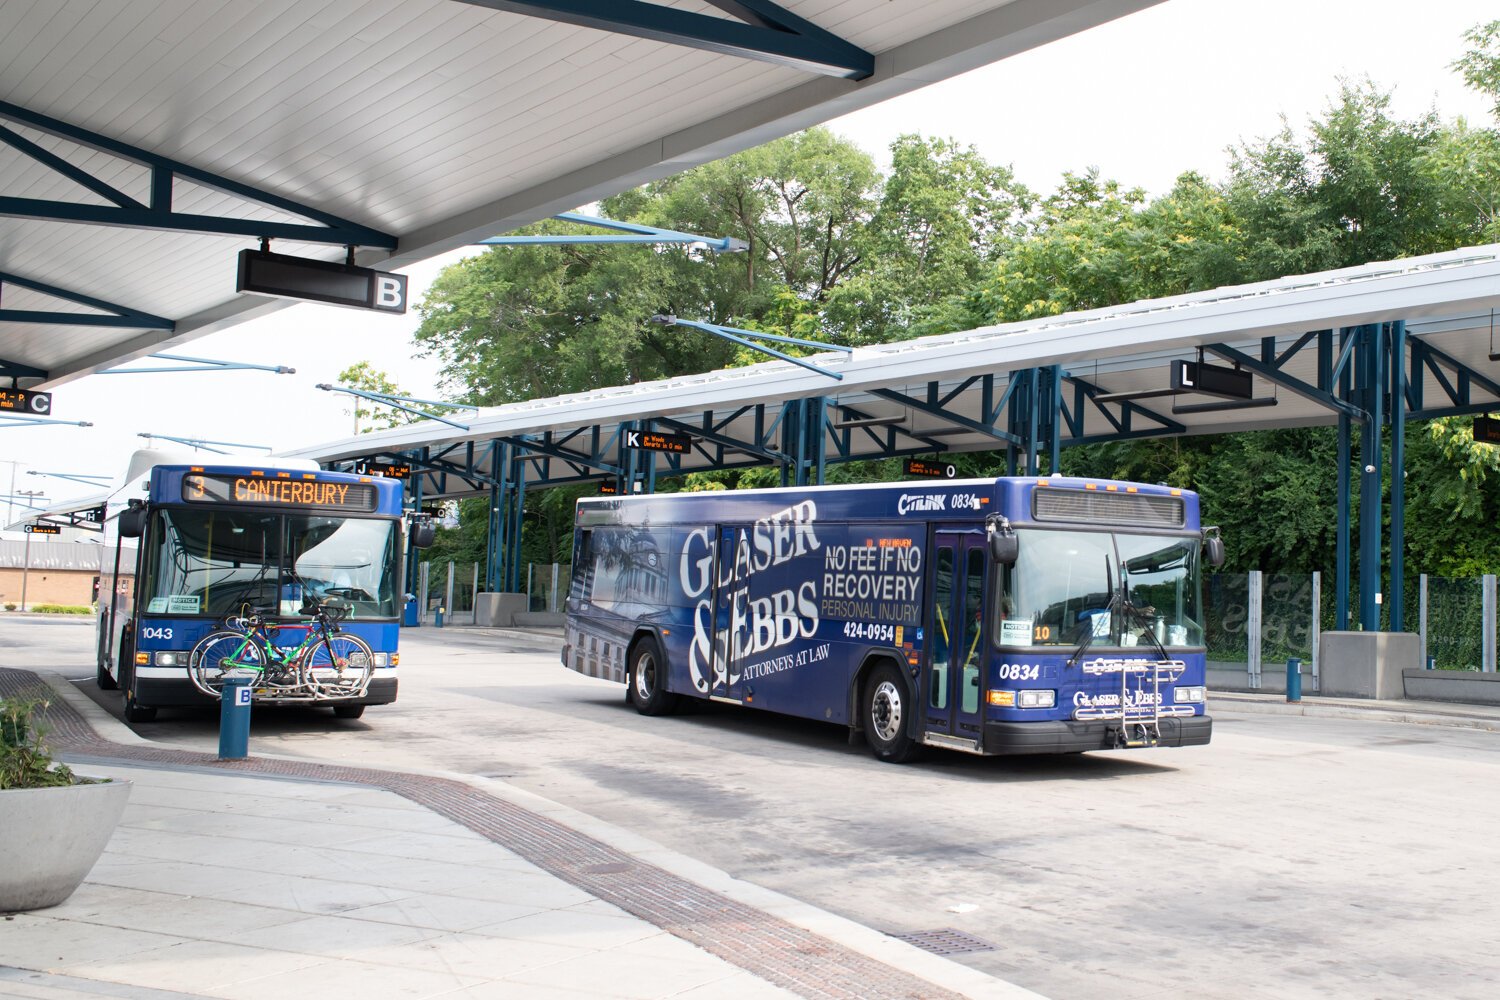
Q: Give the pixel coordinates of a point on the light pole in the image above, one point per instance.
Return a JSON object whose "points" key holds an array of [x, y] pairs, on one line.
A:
{"points": [[26, 557]]}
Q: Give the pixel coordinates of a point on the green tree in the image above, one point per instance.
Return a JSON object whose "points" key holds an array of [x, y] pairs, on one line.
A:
{"points": [[368, 415]]}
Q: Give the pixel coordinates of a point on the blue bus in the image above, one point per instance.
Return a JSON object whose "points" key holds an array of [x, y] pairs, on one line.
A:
{"points": [[215, 542], [993, 616]]}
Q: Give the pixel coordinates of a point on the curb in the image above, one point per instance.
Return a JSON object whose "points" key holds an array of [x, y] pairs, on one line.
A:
{"points": [[1341, 710]]}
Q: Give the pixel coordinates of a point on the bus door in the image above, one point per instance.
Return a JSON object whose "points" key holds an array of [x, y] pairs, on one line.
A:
{"points": [[726, 682], [956, 634]]}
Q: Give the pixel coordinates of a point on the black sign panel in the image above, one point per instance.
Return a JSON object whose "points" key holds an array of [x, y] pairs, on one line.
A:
{"points": [[1211, 380], [657, 441], [1487, 430], [25, 401], [42, 529], [389, 470], [930, 470], [320, 281], [258, 491]]}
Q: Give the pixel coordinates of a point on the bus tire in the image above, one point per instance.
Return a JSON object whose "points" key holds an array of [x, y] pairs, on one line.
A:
{"points": [[886, 706], [646, 679]]}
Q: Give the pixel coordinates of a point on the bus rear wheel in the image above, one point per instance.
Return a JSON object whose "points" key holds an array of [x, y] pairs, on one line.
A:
{"points": [[646, 681], [886, 705]]}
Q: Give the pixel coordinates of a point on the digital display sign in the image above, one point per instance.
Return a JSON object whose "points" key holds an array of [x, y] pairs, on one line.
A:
{"points": [[25, 401], [657, 441], [1211, 380], [278, 492], [608, 488], [389, 470], [285, 277], [930, 470], [42, 529], [1487, 430]]}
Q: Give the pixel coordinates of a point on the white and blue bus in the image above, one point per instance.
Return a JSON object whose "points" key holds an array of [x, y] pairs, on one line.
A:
{"points": [[217, 543], [994, 616]]}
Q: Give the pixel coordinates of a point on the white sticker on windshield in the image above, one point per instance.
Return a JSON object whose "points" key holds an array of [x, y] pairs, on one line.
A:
{"points": [[183, 604], [157, 606], [1015, 632], [1101, 624]]}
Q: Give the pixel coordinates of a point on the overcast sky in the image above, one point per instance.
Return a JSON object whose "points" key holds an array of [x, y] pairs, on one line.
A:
{"points": [[1142, 99]]}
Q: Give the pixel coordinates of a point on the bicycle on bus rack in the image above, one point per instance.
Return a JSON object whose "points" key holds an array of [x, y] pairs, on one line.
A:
{"points": [[326, 664]]}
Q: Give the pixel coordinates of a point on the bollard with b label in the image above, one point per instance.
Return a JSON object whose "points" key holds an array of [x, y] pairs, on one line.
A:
{"points": [[1293, 679], [234, 716]]}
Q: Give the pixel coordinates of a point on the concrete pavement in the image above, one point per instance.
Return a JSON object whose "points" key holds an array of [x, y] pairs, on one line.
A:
{"points": [[269, 877]]}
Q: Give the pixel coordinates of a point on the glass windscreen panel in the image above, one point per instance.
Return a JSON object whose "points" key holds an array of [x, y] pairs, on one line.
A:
{"points": [[214, 562], [1062, 585]]}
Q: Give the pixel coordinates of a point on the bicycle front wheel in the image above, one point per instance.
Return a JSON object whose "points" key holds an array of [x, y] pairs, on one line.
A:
{"points": [[340, 666], [217, 654]]}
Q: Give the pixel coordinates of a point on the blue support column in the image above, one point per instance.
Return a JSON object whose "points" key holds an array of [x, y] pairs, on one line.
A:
{"points": [[1341, 581], [1054, 417], [418, 478], [494, 575], [517, 507], [1398, 474], [1372, 377], [817, 419]]}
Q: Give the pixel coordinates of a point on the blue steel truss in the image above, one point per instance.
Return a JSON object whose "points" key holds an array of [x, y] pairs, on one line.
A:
{"points": [[199, 365], [116, 314], [157, 212], [764, 31], [1369, 376]]}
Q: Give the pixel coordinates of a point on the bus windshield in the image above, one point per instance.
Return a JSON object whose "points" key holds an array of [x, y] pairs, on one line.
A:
{"points": [[1128, 589], [215, 561]]}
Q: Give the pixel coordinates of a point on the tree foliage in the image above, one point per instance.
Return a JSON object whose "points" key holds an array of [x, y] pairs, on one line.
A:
{"points": [[949, 241]]}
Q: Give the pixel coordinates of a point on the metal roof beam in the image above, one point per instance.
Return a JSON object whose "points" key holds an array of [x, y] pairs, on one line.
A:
{"points": [[1277, 377], [938, 411], [765, 32], [129, 213], [1122, 424], [120, 316]]}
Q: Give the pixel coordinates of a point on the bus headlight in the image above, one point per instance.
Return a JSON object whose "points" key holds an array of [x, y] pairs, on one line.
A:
{"points": [[381, 659], [170, 658], [1189, 696], [1037, 699], [1023, 699]]}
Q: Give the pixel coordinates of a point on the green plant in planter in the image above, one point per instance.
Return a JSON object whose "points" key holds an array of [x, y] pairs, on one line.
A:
{"points": [[25, 760]]}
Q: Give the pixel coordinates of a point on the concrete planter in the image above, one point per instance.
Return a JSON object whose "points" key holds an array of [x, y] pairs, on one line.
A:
{"points": [[51, 837]]}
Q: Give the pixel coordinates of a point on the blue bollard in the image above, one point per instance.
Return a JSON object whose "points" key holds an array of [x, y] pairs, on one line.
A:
{"points": [[437, 619], [234, 717], [1293, 679], [1432, 663]]}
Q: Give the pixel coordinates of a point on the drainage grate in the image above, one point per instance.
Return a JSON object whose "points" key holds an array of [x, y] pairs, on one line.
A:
{"points": [[945, 941]]}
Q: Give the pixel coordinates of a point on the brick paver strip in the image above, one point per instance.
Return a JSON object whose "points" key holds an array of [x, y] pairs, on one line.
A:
{"points": [[779, 952]]}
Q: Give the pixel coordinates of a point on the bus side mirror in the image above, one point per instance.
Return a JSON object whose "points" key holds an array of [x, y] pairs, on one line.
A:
{"points": [[423, 534], [1213, 547], [1005, 547], [133, 520]]}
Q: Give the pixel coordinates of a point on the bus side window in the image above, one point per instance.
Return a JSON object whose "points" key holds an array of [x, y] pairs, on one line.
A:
{"points": [[942, 639]]}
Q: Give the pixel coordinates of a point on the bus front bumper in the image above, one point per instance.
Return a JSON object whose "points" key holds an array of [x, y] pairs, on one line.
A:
{"points": [[1014, 738], [171, 693]]}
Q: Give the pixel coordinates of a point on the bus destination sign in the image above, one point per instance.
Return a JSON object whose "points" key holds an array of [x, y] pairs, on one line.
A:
{"points": [[930, 470], [25, 401], [657, 441], [388, 470], [42, 529], [278, 492]]}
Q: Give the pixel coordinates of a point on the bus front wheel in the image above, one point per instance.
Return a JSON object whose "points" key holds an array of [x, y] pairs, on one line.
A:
{"points": [[886, 708], [646, 682]]}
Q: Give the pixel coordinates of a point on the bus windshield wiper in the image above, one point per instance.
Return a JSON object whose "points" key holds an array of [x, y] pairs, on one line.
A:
{"points": [[1114, 597]]}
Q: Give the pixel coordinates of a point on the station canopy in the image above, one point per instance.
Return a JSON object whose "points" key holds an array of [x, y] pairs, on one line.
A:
{"points": [[143, 145], [1295, 341]]}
